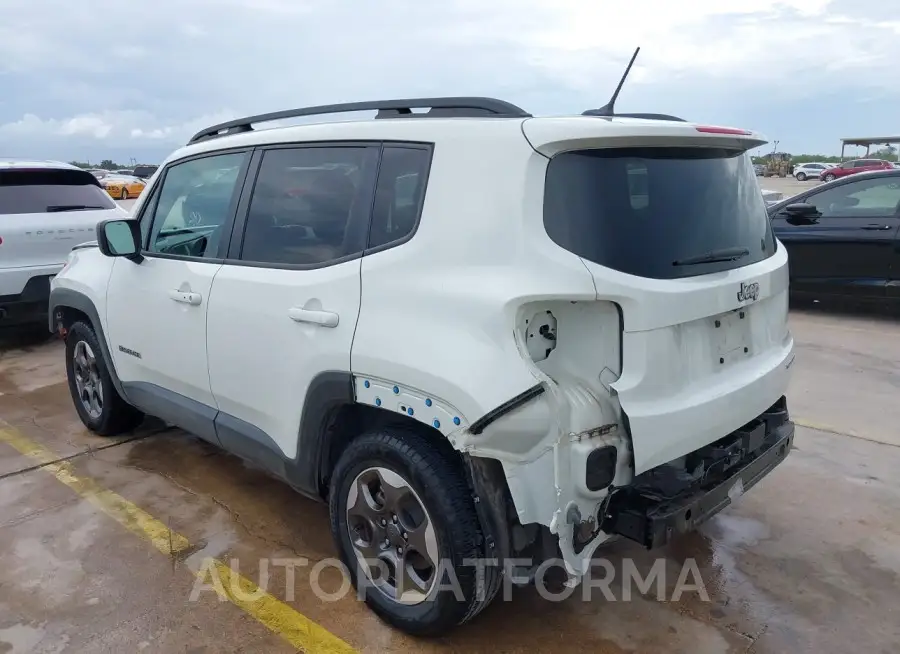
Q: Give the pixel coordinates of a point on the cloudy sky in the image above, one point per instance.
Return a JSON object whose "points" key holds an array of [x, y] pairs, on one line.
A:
{"points": [[86, 79]]}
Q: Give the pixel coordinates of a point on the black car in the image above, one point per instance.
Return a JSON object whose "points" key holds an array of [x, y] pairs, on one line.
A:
{"points": [[843, 238], [144, 171]]}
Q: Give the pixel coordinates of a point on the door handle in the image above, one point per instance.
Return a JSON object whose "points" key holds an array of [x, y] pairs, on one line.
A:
{"points": [[321, 318], [186, 297], [873, 228]]}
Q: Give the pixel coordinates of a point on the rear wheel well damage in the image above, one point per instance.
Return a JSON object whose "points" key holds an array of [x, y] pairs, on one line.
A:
{"points": [[504, 536], [349, 420]]}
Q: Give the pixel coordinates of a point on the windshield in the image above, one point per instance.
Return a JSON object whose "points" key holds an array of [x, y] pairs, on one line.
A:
{"points": [[661, 213]]}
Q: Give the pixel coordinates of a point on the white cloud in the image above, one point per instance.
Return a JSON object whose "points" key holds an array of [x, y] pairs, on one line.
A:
{"points": [[110, 126], [179, 65]]}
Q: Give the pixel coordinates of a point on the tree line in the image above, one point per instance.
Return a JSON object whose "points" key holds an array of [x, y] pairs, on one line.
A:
{"points": [[106, 164]]}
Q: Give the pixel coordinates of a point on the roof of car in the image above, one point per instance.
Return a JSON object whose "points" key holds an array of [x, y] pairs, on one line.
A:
{"points": [[35, 163], [437, 129], [479, 119]]}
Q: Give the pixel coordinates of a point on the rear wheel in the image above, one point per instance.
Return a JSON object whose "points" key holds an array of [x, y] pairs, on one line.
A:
{"points": [[801, 177], [405, 525], [124, 195], [99, 406]]}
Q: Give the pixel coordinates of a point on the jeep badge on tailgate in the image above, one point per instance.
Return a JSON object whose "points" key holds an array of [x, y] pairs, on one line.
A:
{"points": [[748, 292]]}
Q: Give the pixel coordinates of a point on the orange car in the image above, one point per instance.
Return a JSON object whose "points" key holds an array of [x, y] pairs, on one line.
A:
{"points": [[122, 187]]}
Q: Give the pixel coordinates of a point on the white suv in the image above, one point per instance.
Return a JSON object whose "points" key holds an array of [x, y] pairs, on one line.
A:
{"points": [[46, 207], [811, 170], [478, 334]]}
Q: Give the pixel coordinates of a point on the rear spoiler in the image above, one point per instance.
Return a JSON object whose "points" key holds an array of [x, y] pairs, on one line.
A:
{"points": [[550, 136]]}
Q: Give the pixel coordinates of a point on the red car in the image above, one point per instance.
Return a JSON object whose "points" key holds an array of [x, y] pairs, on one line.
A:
{"points": [[855, 166]]}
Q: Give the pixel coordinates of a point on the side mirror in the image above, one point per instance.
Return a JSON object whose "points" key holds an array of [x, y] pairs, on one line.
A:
{"points": [[801, 209], [120, 238], [801, 213]]}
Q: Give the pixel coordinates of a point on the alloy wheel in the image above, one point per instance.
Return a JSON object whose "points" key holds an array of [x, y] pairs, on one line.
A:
{"points": [[87, 379], [393, 536]]}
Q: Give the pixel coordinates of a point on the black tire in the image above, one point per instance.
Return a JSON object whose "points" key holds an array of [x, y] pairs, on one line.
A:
{"points": [[829, 177], [124, 195], [116, 416], [438, 480], [801, 177]]}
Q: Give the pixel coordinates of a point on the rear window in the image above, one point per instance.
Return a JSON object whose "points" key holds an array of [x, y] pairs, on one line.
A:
{"points": [[43, 191], [662, 213]]}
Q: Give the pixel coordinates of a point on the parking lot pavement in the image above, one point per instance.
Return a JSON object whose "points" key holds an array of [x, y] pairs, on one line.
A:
{"points": [[787, 185], [102, 551]]}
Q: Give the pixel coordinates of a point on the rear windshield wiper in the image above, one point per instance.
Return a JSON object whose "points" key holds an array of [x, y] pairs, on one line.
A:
{"points": [[71, 207], [716, 256]]}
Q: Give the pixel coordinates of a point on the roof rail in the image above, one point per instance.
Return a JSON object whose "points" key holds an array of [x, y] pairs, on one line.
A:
{"points": [[599, 112], [439, 107]]}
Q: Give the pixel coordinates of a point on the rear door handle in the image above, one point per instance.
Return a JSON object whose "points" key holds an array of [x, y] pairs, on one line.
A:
{"points": [[186, 297], [321, 318], [877, 228]]}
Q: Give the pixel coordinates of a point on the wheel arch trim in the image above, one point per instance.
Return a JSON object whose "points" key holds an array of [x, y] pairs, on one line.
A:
{"points": [[66, 298]]}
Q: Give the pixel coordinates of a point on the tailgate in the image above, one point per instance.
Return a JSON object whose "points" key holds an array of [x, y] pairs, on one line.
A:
{"points": [[701, 364], [34, 240], [671, 224], [44, 212]]}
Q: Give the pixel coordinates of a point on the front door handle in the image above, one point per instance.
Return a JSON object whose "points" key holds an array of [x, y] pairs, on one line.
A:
{"points": [[186, 297], [877, 228], [321, 318]]}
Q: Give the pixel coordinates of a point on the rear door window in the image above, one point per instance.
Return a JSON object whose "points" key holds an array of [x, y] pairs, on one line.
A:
{"points": [[402, 178], [310, 206], [42, 191], [661, 213]]}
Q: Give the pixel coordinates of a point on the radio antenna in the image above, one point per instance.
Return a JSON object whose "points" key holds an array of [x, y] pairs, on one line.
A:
{"points": [[610, 108]]}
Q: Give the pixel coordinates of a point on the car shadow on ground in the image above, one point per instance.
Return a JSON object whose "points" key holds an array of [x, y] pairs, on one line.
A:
{"points": [[888, 312], [24, 336]]}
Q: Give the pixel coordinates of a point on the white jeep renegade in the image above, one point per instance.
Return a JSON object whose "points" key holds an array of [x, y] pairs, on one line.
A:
{"points": [[478, 334]]}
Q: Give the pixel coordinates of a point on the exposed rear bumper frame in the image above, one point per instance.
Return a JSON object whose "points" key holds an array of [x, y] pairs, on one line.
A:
{"points": [[653, 521]]}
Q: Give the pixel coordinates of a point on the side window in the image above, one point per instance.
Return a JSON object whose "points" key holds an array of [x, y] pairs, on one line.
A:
{"points": [[399, 194], [309, 205], [192, 206], [863, 199]]}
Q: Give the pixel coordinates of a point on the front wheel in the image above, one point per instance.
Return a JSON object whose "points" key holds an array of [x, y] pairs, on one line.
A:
{"points": [[404, 522], [99, 406], [124, 195], [829, 177]]}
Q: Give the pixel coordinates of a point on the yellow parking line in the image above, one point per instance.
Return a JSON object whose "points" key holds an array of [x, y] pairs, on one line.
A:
{"points": [[294, 627]]}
